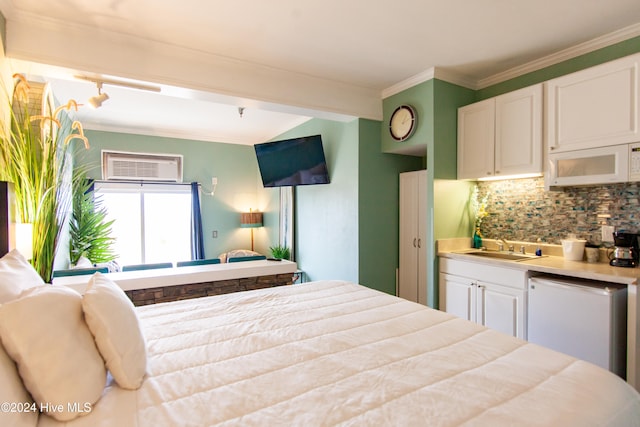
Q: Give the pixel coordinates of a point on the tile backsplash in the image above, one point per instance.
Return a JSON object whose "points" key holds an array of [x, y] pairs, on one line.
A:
{"points": [[522, 210]]}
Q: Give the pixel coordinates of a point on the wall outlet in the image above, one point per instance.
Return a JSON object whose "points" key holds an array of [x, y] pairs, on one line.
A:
{"points": [[607, 233], [214, 234]]}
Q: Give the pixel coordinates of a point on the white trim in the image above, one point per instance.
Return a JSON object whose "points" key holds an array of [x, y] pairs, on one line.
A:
{"points": [[409, 83], [538, 64], [563, 55], [431, 73]]}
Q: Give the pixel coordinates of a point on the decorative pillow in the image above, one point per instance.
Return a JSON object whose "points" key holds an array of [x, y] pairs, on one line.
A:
{"points": [[114, 324], [237, 253], [16, 275], [22, 412], [45, 334]]}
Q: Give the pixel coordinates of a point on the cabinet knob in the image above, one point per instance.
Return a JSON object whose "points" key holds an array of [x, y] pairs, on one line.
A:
{"points": [[419, 243], [488, 173], [414, 243], [497, 172]]}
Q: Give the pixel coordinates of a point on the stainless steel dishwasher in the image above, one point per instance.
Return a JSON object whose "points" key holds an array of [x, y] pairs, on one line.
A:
{"points": [[583, 318]]}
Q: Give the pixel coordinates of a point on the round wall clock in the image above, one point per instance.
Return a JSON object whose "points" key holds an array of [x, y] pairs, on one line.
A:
{"points": [[403, 122]]}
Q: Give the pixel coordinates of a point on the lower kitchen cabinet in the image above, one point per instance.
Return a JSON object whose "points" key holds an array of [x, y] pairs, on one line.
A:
{"points": [[491, 296]]}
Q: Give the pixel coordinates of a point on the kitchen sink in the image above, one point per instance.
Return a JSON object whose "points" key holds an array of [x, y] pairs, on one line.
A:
{"points": [[508, 256]]}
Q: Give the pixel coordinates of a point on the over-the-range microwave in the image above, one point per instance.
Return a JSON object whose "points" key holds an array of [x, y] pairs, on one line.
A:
{"points": [[605, 165]]}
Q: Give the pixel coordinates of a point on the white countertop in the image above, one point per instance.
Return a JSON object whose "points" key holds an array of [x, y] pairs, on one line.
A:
{"points": [[551, 264], [155, 278]]}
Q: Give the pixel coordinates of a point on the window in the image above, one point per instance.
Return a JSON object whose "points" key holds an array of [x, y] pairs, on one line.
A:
{"points": [[152, 221]]}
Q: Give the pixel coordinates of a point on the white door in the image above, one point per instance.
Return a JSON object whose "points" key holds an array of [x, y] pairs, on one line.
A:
{"points": [[518, 141], [422, 237], [460, 296], [595, 107], [408, 251], [501, 308], [476, 134]]}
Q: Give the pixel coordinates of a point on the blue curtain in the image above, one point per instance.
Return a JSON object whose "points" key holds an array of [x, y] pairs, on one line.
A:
{"points": [[197, 240]]}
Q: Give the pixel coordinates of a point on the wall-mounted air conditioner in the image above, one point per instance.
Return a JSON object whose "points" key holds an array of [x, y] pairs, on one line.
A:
{"points": [[126, 166]]}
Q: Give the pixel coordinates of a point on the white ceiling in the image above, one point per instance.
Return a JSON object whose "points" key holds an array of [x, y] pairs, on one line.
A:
{"points": [[287, 60]]}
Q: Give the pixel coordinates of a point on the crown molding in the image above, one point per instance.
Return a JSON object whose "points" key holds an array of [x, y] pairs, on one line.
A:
{"points": [[408, 83], [563, 55], [538, 64]]}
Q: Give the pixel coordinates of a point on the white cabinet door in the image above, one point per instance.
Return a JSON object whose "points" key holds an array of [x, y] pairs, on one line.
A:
{"points": [[501, 308], [595, 107], [476, 135], [412, 271], [460, 296], [518, 140], [493, 296], [501, 136]]}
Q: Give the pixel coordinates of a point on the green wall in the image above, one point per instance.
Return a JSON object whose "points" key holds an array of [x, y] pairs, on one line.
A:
{"points": [[348, 229], [326, 216], [238, 187], [420, 97], [437, 104], [378, 207]]}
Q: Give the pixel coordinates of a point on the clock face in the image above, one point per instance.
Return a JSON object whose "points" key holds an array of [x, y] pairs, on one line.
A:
{"points": [[403, 122]]}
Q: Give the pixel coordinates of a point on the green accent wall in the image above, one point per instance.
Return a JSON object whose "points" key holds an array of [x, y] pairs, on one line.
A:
{"points": [[437, 103], [420, 98], [326, 216], [378, 207], [239, 187], [348, 229]]}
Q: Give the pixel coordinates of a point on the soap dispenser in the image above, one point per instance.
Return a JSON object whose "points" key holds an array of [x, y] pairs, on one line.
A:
{"points": [[538, 249]]}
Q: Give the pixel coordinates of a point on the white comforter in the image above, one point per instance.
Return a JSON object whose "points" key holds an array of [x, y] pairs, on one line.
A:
{"points": [[335, 353]]}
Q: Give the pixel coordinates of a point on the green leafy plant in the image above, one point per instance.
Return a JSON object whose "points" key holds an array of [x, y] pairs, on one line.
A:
{"points": [[36, 154], [281, 252], [89, 230]]}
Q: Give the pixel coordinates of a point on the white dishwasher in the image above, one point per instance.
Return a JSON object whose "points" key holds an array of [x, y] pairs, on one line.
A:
{"points": [[583, 318]]}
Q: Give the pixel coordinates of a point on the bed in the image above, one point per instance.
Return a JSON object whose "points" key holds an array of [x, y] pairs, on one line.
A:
{"points": [[337, 353]]}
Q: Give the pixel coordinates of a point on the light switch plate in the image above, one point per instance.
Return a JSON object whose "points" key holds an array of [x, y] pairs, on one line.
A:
{"points": [[607, 233]]}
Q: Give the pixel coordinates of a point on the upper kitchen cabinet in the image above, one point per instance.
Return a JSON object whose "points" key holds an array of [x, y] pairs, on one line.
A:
{"points": [[595, 107], [502, 136]]}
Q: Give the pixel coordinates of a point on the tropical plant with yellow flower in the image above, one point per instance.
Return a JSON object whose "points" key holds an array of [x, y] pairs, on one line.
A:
{"points": [[479, 208], [37, 157]]}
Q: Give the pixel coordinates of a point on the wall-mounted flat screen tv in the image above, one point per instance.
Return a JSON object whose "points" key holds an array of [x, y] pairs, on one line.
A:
{"points": [[297, 161]]}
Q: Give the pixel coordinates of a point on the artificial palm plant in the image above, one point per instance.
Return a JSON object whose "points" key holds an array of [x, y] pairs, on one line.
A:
{"points": [[36, 155], [89, 229]]}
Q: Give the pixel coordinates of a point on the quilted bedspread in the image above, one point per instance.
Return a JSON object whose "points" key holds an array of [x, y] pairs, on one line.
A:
{"points": [[337, 353]]}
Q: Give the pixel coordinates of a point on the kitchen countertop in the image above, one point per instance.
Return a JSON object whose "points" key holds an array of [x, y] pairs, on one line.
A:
{"points": [[554, 263]]}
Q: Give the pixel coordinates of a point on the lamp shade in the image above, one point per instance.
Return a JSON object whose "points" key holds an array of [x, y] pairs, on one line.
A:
{"points": [[251, 219], [23, 235]]}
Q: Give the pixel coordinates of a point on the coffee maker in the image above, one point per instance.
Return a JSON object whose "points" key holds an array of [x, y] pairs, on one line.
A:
{"points": [[626, 250]]}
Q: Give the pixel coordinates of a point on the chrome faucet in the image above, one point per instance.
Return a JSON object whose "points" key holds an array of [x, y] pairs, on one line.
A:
{"points": [[502, 243]]}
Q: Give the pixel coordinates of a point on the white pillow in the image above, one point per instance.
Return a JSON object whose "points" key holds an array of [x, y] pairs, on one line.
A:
{"points": [[23, 412], [45, 334], [16, 275], [236, 253], [114, 324]]}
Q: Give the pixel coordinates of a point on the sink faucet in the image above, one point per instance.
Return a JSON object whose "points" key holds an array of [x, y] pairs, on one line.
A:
{"points": [[502, 243]]}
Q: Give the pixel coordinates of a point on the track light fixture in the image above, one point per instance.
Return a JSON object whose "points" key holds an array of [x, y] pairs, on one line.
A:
{"points": [[96, 101]]}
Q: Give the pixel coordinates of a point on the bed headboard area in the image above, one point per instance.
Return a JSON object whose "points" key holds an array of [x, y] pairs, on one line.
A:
{"points": [[6, 215]]}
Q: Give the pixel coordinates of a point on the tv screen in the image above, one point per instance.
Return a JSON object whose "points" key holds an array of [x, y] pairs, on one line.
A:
{"points": [[297, 161]]}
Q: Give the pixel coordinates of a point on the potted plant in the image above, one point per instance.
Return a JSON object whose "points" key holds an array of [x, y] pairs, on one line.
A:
{"points": [[36, 154], [280, 252], [89, 230]]}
